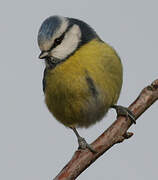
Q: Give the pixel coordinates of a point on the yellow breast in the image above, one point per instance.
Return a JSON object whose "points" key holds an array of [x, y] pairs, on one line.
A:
{"points": [[80, 90]]}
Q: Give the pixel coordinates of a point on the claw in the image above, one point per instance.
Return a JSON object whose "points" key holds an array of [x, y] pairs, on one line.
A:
{"points": [[82, 142], [123, 111]]}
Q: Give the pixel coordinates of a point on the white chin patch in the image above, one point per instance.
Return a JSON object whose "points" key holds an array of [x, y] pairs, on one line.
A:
{"points": [[69, 43]]}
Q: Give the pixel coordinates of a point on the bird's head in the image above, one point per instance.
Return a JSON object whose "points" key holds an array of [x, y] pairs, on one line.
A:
{"points": [[59, 37]]}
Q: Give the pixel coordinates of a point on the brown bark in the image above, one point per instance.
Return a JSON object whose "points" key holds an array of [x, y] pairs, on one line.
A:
{"points": [[116, 133]]}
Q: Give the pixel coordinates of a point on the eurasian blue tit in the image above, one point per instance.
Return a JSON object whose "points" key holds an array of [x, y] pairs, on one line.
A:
{"points": [[83, 74]]}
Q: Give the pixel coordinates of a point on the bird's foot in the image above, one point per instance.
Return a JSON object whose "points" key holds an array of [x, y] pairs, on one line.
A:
{"points": [[123, 111], [83, 144]]}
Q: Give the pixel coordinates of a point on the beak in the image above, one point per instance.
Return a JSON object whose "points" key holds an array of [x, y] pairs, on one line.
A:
{"points": [[43, 55]]}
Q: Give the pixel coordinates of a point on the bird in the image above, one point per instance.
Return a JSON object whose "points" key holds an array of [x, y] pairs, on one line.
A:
{"points": [[83, 75]]}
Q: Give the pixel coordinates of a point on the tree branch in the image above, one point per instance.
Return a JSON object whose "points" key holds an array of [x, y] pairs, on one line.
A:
{"points": [[116, 133]]}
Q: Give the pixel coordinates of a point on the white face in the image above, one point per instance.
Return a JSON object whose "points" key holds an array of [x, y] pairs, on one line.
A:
{"points": [[68, 44], [46, 45]]}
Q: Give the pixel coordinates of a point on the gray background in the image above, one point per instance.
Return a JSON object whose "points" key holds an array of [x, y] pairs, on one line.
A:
{"points": [[33, 145]]}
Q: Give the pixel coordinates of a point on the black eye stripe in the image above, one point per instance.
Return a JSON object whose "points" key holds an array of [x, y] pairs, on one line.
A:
{"points": [[58, 40]]}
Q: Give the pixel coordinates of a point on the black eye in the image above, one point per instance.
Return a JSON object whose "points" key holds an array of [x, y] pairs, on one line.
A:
{"points": [[58, 41]]}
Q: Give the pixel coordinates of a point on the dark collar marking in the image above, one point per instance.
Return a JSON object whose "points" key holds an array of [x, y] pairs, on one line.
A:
{"points": [[44, 80]]}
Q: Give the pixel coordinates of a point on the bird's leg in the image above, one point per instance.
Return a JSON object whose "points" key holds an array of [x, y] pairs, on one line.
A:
{"points": [[123, 111], [82, 142]]}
